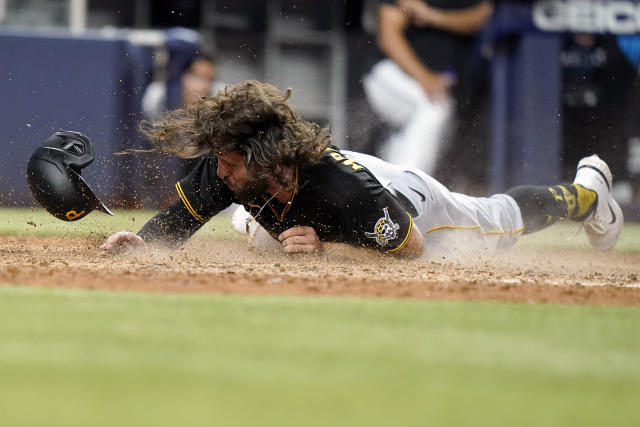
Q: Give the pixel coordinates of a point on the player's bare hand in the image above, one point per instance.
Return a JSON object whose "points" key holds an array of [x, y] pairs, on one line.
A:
{"points": [[300, 240], [120, 240], [437, 86]]}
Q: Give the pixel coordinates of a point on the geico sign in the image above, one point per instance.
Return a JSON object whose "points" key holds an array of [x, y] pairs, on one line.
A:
{"points": [[588, 16]]}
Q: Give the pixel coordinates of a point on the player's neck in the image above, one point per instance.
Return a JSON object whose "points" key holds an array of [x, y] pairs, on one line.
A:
{"points": [[276, 189]]}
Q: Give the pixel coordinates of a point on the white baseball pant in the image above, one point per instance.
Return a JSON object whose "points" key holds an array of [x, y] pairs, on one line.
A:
{"points": [[421, 124]]}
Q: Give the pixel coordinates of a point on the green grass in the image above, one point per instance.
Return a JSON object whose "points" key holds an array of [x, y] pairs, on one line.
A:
{"points": [[38, 223], [86, 358], [568, 235]]}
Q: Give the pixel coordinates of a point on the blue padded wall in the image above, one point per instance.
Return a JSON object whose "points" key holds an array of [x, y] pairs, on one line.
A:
{"points": [[89, 84]]}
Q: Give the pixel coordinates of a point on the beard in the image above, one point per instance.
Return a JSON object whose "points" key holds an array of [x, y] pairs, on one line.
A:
{"points": [[252, 190]]}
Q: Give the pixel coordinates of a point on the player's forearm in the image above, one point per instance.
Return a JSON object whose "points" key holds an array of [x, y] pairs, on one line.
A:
{"points": [[394, 44], [414, 245], [465, 21], [172, 227]]}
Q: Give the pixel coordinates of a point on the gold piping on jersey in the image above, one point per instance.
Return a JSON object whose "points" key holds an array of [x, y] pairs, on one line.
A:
{"points": [[493, 232], [184, 199], [474, 227], [449, 227], [404, 242], [287, 206]]}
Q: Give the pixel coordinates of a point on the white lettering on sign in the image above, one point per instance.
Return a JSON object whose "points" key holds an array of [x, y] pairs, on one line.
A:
{"points": [[587, 16]]}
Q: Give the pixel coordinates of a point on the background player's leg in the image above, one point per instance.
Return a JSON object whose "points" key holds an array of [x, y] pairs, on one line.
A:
{"points": [[419, 143], [420, 123], [394, 97], [542, 206]]}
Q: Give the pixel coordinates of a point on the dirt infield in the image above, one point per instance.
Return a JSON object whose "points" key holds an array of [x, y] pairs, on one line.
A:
{"points": [[228, 267]]}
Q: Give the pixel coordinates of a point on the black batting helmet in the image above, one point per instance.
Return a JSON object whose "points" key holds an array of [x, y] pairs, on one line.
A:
{"points": [[53, 175]]}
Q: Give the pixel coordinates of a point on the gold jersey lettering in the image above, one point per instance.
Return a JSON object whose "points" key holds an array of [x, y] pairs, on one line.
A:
{"points": [[337, 156], [351, 163], [73, 215], [342, 159]]}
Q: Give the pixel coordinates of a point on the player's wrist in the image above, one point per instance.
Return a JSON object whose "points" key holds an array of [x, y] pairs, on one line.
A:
{"points": [[431, 16]]}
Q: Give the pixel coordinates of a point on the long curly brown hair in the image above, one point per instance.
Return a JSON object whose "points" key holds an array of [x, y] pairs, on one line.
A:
{"points": [[250, 118]]}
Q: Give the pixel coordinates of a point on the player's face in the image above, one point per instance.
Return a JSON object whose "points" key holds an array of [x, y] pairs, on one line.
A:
{"points": [[197, 81], [233, 172]]}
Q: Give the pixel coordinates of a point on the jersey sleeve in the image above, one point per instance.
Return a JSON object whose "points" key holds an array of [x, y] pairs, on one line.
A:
{"points": [[171, 227], [202, 192], [370, 215]]}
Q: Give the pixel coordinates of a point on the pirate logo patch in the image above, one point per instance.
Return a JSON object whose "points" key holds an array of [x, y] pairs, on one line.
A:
{"points": [[385, 230]]}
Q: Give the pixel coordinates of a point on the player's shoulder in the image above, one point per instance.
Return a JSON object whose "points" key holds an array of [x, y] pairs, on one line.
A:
{"points": [[337, 173], [204, 177], [338, 177], [204, 167], [335, 160]]}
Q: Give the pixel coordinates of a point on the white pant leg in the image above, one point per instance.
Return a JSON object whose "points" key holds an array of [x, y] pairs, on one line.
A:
{"points": [[421, 123], [458, 226]]}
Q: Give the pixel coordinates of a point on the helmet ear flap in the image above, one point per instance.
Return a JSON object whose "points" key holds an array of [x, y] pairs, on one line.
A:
{"points": [[53, 175]]}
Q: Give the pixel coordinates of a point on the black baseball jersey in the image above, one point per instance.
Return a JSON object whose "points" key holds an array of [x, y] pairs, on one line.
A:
{"points": [[441, 50], [339, 198]]}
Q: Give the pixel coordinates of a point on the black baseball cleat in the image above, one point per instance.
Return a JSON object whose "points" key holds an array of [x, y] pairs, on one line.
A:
{"points": [[604, 225]]}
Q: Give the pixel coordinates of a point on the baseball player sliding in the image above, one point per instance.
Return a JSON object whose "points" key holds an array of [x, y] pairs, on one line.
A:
{"points": [[306, 193]]}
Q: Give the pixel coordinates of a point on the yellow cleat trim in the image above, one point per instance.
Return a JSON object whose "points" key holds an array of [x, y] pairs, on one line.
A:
{"points": [[586, 199]]}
